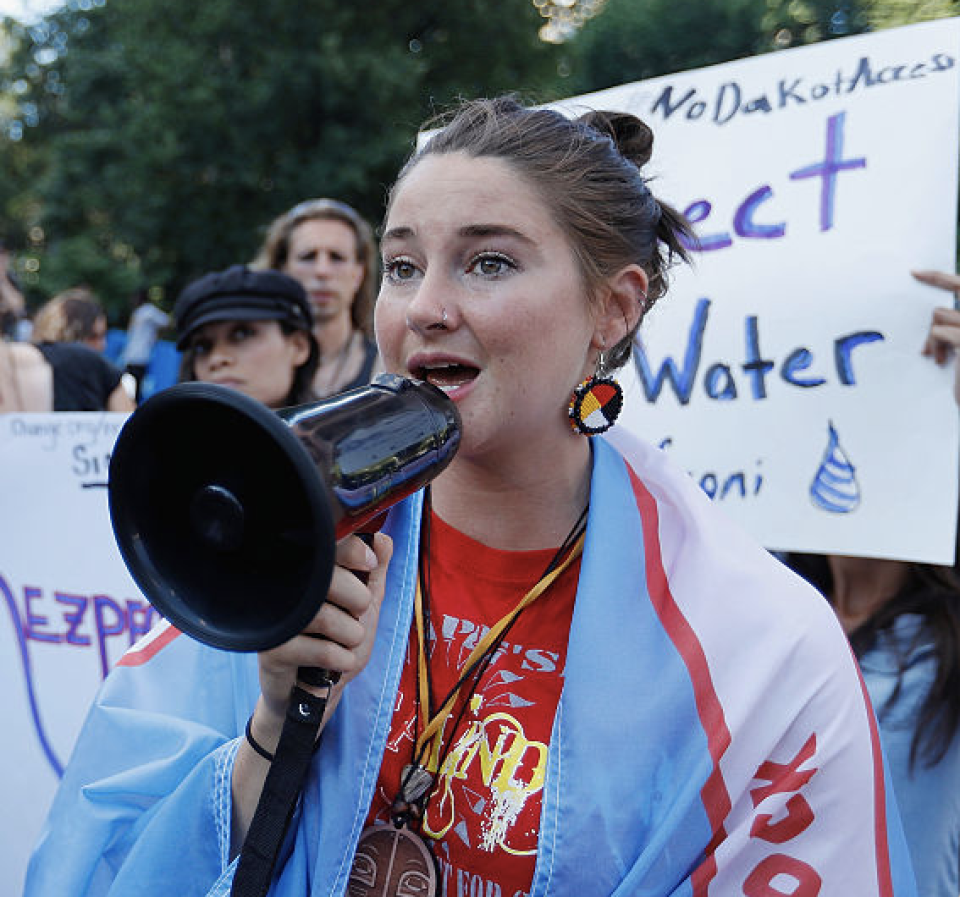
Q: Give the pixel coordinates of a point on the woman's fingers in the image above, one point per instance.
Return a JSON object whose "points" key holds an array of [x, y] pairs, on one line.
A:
{"points": [[348, 593], [334, 631], [376, 583], [341, 635], [940, 279], [943, 338], [355, 554]]}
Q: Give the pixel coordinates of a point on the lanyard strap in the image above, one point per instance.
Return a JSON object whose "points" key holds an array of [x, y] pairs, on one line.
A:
{"points": [[433, 726]]}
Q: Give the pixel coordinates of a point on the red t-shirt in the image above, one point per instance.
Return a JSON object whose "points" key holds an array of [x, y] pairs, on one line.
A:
{"points": [[483, 815]]}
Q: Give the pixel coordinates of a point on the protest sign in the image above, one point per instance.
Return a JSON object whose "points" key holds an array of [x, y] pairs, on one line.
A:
{"points": [[784, 370], [70, 607]]}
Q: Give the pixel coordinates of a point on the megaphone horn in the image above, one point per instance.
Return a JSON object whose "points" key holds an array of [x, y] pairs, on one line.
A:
{"points": [[227, 513]]}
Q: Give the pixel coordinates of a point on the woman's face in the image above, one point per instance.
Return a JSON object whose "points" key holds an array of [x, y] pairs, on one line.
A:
{"points": [[254, 357], [469, 239], [323, 256]]}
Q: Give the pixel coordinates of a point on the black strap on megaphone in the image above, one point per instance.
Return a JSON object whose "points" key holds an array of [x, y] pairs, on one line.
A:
{"points": [[282, 787], [288, 772]]}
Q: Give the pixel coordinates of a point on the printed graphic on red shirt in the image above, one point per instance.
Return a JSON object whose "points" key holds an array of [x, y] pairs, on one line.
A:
{"points": [[483, 814]]}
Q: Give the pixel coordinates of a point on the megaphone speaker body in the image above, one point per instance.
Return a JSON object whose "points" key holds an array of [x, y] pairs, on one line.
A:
{"points": [[227, 513]]}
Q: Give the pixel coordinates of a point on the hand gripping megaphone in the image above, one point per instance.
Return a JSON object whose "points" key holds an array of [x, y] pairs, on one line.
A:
{"points": [[227, 513]]}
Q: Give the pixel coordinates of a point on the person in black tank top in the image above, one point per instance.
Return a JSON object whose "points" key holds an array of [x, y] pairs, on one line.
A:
{"points": [[83, 380]]}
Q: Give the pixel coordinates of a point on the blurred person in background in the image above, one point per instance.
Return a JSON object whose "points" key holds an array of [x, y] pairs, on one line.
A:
{"points": [[73, 316], [146, 322], [329, 248], [12, 305], [903, 622], [26, 380], [70, 332], [251, 331]]}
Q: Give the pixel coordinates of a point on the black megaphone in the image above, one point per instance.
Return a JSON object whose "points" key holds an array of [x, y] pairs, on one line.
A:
{"points": [[227, 513]]}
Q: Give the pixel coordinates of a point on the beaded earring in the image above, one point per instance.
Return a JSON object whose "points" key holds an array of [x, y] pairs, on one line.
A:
{"points": [[596, 403]]}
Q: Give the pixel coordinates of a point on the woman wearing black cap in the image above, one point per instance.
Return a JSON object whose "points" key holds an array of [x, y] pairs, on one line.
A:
{"points": [[251, 331]]}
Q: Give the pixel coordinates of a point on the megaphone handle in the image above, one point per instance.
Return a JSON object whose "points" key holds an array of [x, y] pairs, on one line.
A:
{"points": [[317, 676]]}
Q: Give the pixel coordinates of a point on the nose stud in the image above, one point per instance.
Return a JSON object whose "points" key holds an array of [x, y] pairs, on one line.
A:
{"points": [[442, 323], [433, 325]]}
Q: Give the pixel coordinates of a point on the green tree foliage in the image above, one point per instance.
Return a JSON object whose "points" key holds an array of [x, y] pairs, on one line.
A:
{"points": [[631, 40], [890, 13], [790, 22], [168, 133]]}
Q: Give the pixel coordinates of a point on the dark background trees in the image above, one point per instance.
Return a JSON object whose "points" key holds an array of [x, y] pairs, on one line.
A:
{"points": [[630, 41], [144, 142], [636, 39]]}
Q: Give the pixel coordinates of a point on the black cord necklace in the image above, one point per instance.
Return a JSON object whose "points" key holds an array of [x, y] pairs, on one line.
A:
{"points": [[408, 851], [418, 777]]}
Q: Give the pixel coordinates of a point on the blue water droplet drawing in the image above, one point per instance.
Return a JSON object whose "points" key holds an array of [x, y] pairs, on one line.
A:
{"points": [[835, 488]]}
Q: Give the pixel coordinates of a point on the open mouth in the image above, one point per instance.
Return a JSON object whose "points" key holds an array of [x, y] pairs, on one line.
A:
{"points": [[446, 376]]}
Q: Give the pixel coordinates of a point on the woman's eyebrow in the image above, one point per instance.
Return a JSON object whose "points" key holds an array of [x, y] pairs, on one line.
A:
{"points": [[397, 233], [403, 232], [494, 230]]}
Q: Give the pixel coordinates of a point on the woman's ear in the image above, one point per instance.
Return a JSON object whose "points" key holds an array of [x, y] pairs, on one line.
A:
{"points": [[299, 342], [623, 302]]}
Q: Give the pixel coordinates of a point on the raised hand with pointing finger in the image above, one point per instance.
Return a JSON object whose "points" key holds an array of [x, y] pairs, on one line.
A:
{"points": [[943, 338]]}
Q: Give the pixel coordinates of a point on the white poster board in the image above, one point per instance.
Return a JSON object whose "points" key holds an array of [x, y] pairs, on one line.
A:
{"points": [[784, 371], [69, 608]]}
